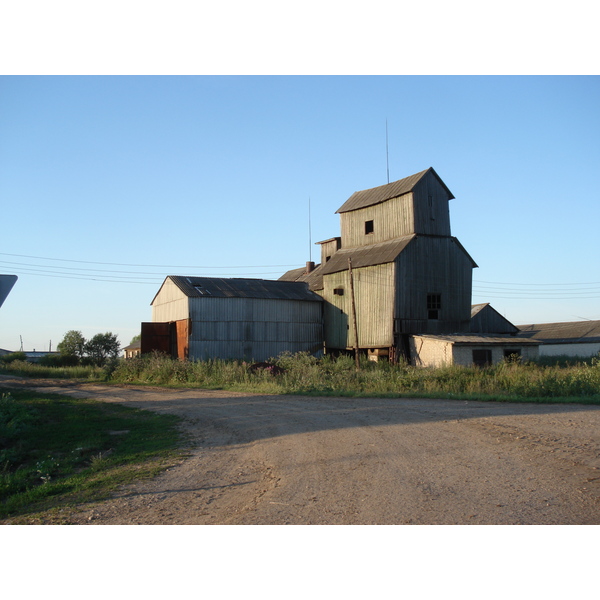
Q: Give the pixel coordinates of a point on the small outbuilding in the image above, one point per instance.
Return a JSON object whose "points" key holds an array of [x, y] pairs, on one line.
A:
{"points": [[134, 349], [250, 319], [467, 350]]}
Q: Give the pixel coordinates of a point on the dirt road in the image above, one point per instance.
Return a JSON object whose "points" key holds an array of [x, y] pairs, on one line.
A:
{"points": [[300, 460]]}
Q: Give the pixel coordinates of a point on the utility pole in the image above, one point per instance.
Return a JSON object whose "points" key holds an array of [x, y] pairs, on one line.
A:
{"points": [[354, 322]]}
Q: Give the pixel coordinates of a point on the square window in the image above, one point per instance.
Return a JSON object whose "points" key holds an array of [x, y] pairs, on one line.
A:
{"points": [[338, 291], [482, 358], [368, 227]]}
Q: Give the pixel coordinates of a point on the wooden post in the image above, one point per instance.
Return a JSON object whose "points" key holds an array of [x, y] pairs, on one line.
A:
{"points": [[354, 322]]}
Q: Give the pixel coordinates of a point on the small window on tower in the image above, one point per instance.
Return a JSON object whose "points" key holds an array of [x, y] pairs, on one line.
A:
{"points": [[434, 305], [368, 227], [338, 291], [431, 211]]}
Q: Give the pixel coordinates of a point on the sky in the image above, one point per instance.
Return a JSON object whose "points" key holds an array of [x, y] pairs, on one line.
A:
{"points": [[110, 183]]}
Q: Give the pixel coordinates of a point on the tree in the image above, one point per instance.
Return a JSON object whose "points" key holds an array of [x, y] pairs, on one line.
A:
{"points": [[72, 345], [136, 338], [102, 347]]}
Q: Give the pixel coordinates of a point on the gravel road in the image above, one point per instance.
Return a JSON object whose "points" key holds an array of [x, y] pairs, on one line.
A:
{"points": [[299, 460]]}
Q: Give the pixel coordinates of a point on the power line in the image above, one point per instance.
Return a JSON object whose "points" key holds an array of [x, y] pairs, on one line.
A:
{"points": [[90, 262]]}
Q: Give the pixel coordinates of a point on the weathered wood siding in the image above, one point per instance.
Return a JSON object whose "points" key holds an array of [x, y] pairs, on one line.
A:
{"points": [[170, 304], [253, 329], [391, 219], [329, 248], [433, 265], [488, 320], [374, 299], [431, 207]]}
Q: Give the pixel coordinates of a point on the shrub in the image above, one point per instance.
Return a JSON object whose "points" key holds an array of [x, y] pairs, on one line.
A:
{"points": [[12, 357]]}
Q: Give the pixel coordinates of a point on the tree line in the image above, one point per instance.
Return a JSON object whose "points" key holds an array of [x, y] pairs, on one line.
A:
{"points": [[74, 349]]}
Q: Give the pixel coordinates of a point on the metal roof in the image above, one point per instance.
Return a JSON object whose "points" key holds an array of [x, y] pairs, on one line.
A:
{"points": [[366, 256], [382, 193], [363, 256], [466, 339], [221, 287], [562, 333]]}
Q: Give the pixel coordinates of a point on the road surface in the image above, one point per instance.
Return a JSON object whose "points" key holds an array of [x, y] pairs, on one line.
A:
{"points": [[299, 460]]}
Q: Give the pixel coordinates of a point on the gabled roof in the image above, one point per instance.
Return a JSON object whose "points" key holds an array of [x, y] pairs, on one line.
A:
{"points": [[563, 333], [486, 319], [221, 287], [382, 193]]}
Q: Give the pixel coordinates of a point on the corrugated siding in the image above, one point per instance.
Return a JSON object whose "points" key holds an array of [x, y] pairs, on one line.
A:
{"points": [[432, 265], [170, 304], [391, 219], [252, 328]]}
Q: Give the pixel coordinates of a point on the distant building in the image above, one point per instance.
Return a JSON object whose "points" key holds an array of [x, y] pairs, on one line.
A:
{"points": [[134, 349], [577, 338]]}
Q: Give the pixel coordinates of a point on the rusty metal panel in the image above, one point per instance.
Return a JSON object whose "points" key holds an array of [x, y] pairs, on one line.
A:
{"points": [[156, 337], [182, 336]]}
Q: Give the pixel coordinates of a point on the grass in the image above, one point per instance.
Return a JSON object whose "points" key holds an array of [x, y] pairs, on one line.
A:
{"points": [[57, 452], [557, 379]]}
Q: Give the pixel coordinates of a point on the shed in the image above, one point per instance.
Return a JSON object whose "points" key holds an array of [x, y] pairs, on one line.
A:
{"points": [[229, 318], [134, 349], [467, 350], [571, 338]]}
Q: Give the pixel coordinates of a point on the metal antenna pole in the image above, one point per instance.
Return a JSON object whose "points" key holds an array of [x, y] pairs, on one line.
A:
{"points": [[387, 158], [309, 234]]}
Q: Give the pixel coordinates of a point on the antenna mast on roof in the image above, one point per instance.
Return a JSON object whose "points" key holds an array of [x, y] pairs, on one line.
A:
{"points": [[309, 234], [387, 160]]}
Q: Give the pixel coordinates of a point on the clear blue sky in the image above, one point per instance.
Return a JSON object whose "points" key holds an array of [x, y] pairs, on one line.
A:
{"points": [[108, 184]]}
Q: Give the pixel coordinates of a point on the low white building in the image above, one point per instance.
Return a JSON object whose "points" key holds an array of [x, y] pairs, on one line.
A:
{"points": [[468, 350], [577, 338]]}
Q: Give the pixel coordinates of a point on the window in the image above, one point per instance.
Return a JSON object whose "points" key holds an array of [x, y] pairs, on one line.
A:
{"points": [[368, 227], [434, 305], [431, 211], [338, 291], [512, 354], [482, 358]]}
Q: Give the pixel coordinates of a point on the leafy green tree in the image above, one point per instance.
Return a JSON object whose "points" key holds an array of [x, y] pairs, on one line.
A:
{"points": [[72, 345], [102, 347], [136, 338]]}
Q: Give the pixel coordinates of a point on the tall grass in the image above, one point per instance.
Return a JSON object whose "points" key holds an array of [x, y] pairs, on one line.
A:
{"points": [[305, 374], [23, 368], [544, 380]]}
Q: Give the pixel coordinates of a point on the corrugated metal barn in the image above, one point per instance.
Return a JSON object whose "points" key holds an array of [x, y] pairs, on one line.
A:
{"points": [[250, 319]]}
